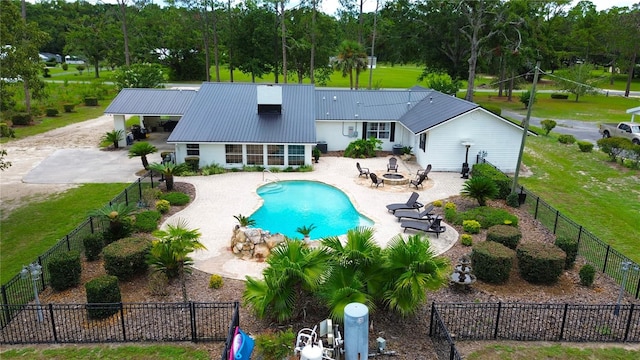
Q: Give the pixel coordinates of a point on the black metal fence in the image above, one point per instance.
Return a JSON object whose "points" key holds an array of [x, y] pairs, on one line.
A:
{"points": [[600, 254], [19, 290], [69, 323], [540, 322], [235, 321], [443, 344]]}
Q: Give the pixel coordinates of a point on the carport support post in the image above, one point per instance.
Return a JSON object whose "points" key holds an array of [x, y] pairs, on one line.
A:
{"points": [[120, 124], [525, 127]]}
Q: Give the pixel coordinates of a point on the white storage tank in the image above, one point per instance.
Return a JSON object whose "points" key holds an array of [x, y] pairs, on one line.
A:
{"points": [[356, 332]]}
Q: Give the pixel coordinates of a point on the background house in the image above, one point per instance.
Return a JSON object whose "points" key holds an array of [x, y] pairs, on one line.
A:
{"points": [[237, 124]]}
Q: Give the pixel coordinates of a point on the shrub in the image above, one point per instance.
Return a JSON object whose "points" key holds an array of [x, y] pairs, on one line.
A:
{"points": [[65, 66], [193, 162], [21, 119], [122, 230], [275, 345], [492, 262], [585, 146], [176, 198], [51, 112], [213, 169], [80, 68], [157, 283], [147, 221], [103, 290], [506, 235], [126, 257], [163, 206], [451, 215], [548, 125], [614, 146], [91, 101], [438, 203], [150, 195], [68, 107], [559, 96], [566, 139], [466, 240], [501, 180], [540, 263], [215, 281], [362, 148], [6, 131], [487, 217], [471, 226], [525, 97], [93, 245], [570, 248], [64, 270], [493, 108], [513, 200], [587, 275], [450, 206]]}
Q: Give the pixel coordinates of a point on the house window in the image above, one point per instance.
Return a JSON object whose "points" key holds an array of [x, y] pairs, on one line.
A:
{"points": [[193, 149], [378, 130], [233, 154], [275, 154], [423, 141], [296, 154], [255, 154]]}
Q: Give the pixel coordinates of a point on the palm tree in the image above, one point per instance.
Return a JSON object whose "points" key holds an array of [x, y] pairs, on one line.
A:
{"points": [[480, 188], [113, 137], [350, 54], [118, 215], [294, 270], [168, 170], [170, 254], [411, 268], [142, 149]]}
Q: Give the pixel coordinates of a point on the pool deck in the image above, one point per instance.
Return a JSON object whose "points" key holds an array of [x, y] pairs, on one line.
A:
{"points": [[220, 197]]}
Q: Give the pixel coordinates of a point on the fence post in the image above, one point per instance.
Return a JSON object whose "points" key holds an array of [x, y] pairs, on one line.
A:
{"points": [[535, 214], [5, 302], [124, 331], [626, 331], [495, 331], [564, 320], [68, 243], [192, 312], [41, 273], [91, 224], [555, 223], [579, 235], [452, 351], [126, 197], [140, 188], [638, 289], [606, 258], [53, 323], [433, 308]]}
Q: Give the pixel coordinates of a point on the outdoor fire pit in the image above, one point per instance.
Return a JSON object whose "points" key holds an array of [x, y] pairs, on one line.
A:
{"points": [[395, 179]]}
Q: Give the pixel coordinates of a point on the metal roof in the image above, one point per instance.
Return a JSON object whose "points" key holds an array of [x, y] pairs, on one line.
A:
{"points": [[151, 102], [435, 108], [228, 112], [365, 105]]}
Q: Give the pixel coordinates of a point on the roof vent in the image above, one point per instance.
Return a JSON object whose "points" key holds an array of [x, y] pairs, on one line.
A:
{"points": [[269, 99]]}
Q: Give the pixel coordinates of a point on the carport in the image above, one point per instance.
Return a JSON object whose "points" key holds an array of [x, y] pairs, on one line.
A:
{"points": [[158, 109]]}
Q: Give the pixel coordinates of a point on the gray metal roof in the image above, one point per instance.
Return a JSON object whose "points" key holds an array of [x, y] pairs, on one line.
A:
{"points": [[227, 112], [435, 108], [151, 102], [365, 105]]}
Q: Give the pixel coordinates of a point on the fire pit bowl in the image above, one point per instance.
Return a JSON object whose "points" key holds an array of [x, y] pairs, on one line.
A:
{"points": [[395, 179]]}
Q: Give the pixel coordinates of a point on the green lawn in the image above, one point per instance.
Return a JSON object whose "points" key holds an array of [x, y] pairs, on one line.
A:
{"points": [[589, 189], [106, 352], [32, 229], [72, 74], [560, 352]]}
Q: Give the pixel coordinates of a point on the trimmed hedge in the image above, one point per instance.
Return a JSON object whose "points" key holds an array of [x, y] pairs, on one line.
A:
{"points": [[21, 119], [506, 235], [492, 262], [566, 139], [466, 240], [502, 181], [93, 245], [570, 247], [540, 263], [486, 216], [163, 206], [91, 101], [471, 226], [126, 257], [51, 112], [64, 270], [587, 275], [176, 198], [585, 146], [147, 221], [559, 96], [193, 162], [103, 290]]}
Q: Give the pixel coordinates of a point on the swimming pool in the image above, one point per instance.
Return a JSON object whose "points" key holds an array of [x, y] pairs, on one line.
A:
{"points": [[292, 204]]}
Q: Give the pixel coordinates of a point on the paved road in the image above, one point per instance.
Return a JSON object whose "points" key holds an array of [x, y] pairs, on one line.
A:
{"points": [[582, 130]]}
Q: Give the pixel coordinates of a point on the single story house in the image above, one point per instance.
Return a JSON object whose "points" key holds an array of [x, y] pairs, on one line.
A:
{"points": [[237, 124]]}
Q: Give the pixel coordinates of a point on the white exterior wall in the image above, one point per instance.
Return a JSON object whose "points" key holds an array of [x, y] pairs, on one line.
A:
{"points": [[336, 134], [119, 123], [445, 152], [216, 154]]}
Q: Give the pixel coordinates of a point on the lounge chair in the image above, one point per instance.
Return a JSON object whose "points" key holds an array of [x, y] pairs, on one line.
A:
{"points": [[426, 214], [425, 171], [412, 203], [375, 181], [429, 226], [363, 171], [393, 164], [418, 182]]}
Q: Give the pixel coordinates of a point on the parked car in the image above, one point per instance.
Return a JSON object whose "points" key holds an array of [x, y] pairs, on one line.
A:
{"points": [[629, 130]]}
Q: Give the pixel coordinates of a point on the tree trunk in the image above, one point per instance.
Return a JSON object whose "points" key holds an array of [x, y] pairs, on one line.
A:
{"points": [[627, 89], [96, 67], [168, 178], [123, 10], [205, 36], [283, 28], [511, 84], [473, 60], [373, 43], [145, 162], [230, 47], [313, 42], [351, 79], [25, 82], [216, 50], [503, 69]]}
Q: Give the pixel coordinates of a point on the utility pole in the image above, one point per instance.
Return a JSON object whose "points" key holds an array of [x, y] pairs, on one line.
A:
{"points": [[526, 126]]}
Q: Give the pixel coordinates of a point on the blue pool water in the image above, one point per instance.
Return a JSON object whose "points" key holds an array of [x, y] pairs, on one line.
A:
{"points": [[292, 204]]}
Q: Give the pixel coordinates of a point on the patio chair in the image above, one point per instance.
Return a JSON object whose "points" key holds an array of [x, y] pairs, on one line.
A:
{"points": [[375, 180], [418, 182], [426, 214], [425, 171], [412, 203], [363, 171], [428, 227], [393, 164]]}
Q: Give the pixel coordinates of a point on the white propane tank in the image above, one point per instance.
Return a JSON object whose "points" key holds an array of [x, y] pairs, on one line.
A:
{"points": [[356, 332], [311, 352]]}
